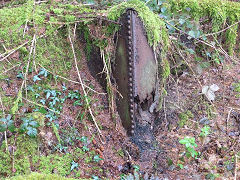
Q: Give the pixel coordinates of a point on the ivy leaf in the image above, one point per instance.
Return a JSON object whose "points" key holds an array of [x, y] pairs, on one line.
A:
{"points": [[32, 132], [191, 34], [48, 95], [30, 88], [36, 78], [85, 148], [84, 139], [20, 75], [10, 125], [43, 72], [163, 9], [3, 127], [95, 177], [34, 124], [42, 110], [74, 165], [43, 101], [96, 158], [181, 21]]}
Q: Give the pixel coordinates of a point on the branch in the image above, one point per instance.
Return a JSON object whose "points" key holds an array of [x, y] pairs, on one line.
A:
{"points": [[83, 88]]}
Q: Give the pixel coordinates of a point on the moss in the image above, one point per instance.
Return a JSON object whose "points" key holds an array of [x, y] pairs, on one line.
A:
{"points": [[54, 163], [219, 12], [155, 27], [184, 117], [26, 148], [38, 176]]}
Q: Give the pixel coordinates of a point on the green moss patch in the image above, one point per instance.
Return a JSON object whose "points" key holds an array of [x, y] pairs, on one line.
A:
{"points": [[155, 27]]}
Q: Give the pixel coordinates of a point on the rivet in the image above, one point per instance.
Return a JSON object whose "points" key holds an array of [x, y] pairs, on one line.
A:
{"points": [[131, 116], [129, 21], [131, 106], [129, 27], [129, 38], [130, 69], [129, 32], [129, 48], [129, 53], [130, 84], [131, 100], [130, 79], [131, 111], [132, 126], [131, 95], [132, 132]]}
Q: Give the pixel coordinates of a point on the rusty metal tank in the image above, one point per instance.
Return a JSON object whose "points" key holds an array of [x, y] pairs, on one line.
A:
{"points": [[135, 72]]}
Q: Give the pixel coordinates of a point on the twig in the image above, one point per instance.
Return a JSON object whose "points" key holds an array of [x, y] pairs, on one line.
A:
{"points": [[235, 168], [228, 117], [108, 79], [211, 34], [29, 59], [83, 88], [5, 132], [12, 51], [71, 80], [15, 49], [201, 41], [9, 69]]}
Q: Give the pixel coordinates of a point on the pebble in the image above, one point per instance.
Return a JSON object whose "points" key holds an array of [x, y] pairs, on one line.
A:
{"points": [[172, 167], [230, 166], [204, 121], [233, 133]]}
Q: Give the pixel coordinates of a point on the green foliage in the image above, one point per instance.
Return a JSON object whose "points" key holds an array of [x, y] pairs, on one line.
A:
{"points": [[155, 27], [29, 125], [14, 109], [236, 87], [218, 11], [74, 165], [184, 117], [37, 176], [96, 158], [7, 124], [26, 148], [190, 145], [205, 131]]}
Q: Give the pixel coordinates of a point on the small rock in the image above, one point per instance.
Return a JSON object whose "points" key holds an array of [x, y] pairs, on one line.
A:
{"points": [[212, 159], [230, 166], [172, 167], [204, 121], [197, 177], [206, 140], [233, 133]]}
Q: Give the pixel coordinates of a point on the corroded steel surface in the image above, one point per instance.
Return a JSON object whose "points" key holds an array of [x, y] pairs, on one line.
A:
{"points": [[135, 72]]}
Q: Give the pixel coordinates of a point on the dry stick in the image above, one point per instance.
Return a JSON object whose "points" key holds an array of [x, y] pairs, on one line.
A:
{"points": [[108, 78], [5, 132], [34, 53], [201, 41], [29, 59], [210, 34], [71, 80], [12, 51], [46, 108], [10, 69], [235, 168], [228, 117], [83, 88]]}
